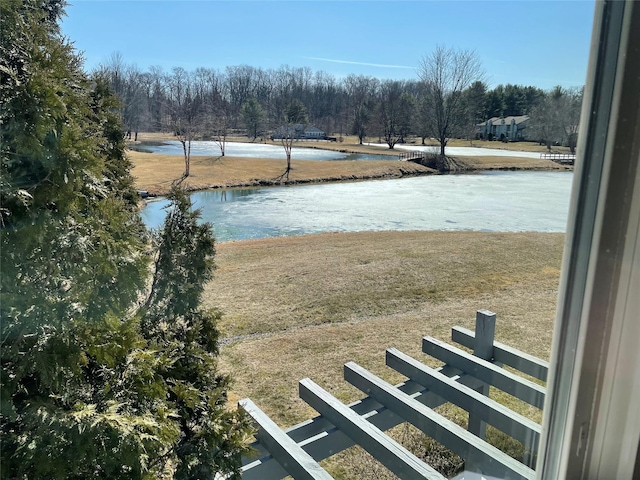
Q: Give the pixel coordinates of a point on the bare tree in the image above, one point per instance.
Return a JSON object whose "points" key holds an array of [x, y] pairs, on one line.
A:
{"points": [[572, 109], [360, 91], [214, 108], [297, 116], [393, 112], [220, 128], [555, 119], [446, 73], [288, 136], [240, 85], [136, 102], [325, 99], [154, 90], [407, 108], [361, 120], [127, 82], [185, 111]]}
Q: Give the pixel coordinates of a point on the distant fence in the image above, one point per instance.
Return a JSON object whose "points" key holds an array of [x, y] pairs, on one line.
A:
{"points": [[463, 380], [563, 158], [413, 155]]}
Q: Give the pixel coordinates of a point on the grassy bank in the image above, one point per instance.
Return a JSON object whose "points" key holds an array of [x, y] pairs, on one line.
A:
{"points": [[156, 173], [303, 306]]}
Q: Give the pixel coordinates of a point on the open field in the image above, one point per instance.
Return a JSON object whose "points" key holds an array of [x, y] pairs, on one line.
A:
{"points": [[303, 306], [156, 173], [510, 163]]}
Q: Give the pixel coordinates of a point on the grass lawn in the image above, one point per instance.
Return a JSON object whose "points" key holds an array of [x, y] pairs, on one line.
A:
{"points": [[156, 173], [303, 306]]}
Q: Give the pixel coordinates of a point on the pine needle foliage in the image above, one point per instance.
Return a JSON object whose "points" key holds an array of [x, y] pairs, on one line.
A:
{"points": [[108, 361]]}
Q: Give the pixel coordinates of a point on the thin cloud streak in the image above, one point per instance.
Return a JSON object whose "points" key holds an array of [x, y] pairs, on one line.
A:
{"points": [[349, 62]]}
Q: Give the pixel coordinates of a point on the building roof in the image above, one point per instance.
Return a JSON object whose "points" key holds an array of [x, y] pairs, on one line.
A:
{"points": [[518, 119]]}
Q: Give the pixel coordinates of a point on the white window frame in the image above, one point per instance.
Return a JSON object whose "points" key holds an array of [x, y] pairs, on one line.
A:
{"points": [[591, 426]]}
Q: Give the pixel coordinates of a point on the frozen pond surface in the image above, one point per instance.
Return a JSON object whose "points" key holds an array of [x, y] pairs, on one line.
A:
{"points": [[256, 150], [492, 202], [464, 151]]}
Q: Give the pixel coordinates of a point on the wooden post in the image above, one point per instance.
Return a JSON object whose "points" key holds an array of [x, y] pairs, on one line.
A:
{"points": [[483, 348]]}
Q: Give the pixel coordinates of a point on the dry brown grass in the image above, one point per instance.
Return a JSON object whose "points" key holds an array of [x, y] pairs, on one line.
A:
{"points": [[513, 146], [303, 306], [510, 163], [156, 173]]}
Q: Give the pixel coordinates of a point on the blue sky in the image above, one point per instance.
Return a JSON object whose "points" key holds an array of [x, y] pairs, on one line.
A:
{"points": [[540, 43]]}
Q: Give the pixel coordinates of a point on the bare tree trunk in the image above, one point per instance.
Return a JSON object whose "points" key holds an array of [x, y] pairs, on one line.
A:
{"points": [[220, 132], [287, 143], [288, 164], [221, 140], [187, 156]]}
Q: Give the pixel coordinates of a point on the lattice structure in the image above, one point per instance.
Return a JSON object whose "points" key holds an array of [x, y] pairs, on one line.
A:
{"points": [[563, 158], [464, 380]]}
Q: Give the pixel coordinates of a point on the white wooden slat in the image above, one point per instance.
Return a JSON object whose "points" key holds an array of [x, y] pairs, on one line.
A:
{"points": [[383, 448], [513, 424], [491, 460], [321, 439], [505, 354], [287, 453], [524, 389]]}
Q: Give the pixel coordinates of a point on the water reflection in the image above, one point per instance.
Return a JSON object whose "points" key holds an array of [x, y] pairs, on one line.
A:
{"points": [[492, 201], [223, 195]]}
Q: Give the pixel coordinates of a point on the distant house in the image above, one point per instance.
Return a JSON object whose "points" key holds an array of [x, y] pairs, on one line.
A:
{"points": [[299, 132], [512, 128], [313, 133]]}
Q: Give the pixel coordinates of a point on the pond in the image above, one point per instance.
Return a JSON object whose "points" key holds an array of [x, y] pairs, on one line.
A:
{"points": [[256, 150], [490, 202]]}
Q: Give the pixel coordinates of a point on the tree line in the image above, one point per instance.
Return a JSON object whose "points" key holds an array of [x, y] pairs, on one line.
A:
{"points": [[446, 100]]}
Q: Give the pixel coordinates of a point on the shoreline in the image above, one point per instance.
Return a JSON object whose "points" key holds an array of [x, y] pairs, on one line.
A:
{"points": [[258, 183], [156, 173]]}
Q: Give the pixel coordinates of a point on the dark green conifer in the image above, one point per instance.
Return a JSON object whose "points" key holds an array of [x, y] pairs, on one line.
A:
{"points": [[108, 361]]}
